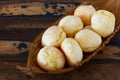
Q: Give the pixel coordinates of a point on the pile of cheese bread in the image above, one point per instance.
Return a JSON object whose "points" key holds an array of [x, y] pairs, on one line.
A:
{"points": [[74, 36]]}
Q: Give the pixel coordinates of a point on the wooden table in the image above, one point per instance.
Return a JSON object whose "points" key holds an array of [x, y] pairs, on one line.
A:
{"points": [[22, 20]]}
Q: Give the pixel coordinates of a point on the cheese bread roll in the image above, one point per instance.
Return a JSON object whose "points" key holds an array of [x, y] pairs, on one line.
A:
{"points": [[50, 58], [85, 12], [103, 22], [88, 40], [71, 25], [53, 36], [72, 50]]}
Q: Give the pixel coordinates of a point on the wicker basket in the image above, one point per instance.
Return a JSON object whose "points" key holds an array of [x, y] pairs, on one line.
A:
{"points": [[32, 68]]}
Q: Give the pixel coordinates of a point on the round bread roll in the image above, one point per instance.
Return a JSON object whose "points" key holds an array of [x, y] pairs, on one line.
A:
{"points": [[53, 36], [72, 50], [88, 40], [50, 58], [71, 25], [103, 22], [85, 12]]}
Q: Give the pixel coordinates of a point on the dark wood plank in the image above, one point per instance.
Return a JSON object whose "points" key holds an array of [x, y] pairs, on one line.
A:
{"points": [[36, 8], [88, 71], [32, 15], [20, 34], [8, 72], [109, 52], [22, 1], [33, 22]]}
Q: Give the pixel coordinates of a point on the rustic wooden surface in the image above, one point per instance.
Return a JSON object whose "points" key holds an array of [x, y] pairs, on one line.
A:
{"points": [[21, 22], [89, 71]]}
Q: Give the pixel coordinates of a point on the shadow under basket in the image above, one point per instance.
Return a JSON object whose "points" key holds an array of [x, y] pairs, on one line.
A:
{"points": [[33, 69]]}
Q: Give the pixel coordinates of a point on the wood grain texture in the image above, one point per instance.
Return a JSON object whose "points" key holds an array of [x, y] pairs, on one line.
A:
{"points": [[109, 52], [36, 8], [32, 15], [14, 47], [48, 1], [89, 71]]}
